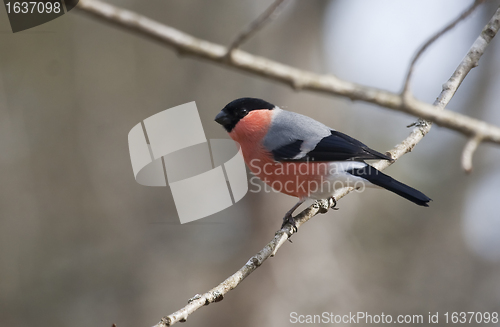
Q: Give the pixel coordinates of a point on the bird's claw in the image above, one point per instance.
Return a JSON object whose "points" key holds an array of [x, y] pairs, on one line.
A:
{"points": [[323, 205], [326, 204], [288, 219], [333, 202]]}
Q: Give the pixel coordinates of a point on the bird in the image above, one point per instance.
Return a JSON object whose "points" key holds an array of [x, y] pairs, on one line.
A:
{"points": [[300, 156]]}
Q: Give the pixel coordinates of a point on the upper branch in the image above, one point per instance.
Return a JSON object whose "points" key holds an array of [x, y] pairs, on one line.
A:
{"points": [[421, 129], [479, 131], [299, 79], [256, 25], [433, 39]]}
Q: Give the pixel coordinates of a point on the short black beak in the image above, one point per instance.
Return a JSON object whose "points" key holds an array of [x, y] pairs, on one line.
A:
{"points": [[222, 118]]}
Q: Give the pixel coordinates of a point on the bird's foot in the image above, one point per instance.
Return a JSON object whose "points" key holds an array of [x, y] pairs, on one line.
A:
{"points": [[288, 219], [323, 205], [333, 203], [326, 204]]}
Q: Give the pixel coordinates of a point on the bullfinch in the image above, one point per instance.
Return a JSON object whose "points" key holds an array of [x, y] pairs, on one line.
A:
{"points": [[301, 157]]}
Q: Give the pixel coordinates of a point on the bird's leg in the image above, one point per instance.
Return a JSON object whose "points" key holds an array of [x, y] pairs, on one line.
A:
{"points": [[323, 205], [326, 204], [334, 203], [288, 216]]}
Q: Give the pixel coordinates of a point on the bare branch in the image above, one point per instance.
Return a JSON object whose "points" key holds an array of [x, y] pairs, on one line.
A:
{"points": [[468, 153], [470, 61], [422, 128], [299, 79], [314, 82], [271, 13], [406, 88], [217, 293]]}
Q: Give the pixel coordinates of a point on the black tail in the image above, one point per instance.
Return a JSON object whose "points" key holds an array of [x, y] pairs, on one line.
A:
{"points": [[380, 179]]}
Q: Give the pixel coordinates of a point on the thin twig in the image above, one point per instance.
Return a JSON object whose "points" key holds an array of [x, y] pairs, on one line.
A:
{"points": [[297, 78], [468, 153], [271, 13], [306, 80], [406, 88], [216, 294]]}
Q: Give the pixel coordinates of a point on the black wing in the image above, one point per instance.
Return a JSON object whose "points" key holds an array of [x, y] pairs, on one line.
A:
{"points": [[335, 147]]}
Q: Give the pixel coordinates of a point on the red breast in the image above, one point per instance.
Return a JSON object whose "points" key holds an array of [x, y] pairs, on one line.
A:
{"points": [[292, 178]]}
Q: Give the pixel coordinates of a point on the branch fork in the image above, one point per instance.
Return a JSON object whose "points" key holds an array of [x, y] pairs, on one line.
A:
{"points": [[477, 131]]}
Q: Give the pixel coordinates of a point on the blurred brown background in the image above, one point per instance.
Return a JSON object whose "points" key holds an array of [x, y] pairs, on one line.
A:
{"points": [[82, 244]]}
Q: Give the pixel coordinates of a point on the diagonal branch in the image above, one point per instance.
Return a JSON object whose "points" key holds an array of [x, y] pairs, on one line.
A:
{"points": [[426, 45], [422, 128], [299, 79], [217, 293], [256, 25]]}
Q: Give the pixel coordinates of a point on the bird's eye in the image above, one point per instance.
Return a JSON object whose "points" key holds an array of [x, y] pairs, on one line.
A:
{"points": [[243, 112]]}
